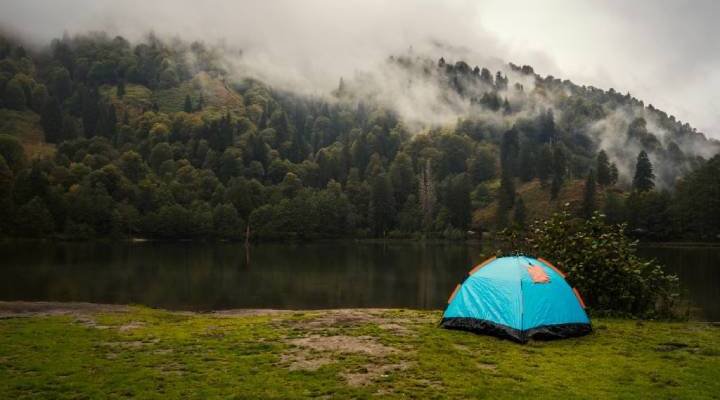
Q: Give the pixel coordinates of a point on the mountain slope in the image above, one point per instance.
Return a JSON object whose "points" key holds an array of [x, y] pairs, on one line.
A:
{"points": [[416, 147]]}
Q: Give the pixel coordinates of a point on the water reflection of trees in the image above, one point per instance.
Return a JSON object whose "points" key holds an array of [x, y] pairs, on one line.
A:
{"points": [[222, 275], [205, 276], [699, 271]]}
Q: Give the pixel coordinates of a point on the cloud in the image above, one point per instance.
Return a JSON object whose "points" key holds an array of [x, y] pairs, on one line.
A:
{"points": [[662, 51], [311, 41]]}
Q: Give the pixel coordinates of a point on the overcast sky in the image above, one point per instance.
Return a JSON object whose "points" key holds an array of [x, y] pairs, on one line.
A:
{"points": [[664, 52]]}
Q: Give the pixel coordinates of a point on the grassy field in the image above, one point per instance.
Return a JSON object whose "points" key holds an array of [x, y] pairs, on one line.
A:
{"points": [[537, 201], [25, 125], [136, 96], [87, 351], [218, 98]]}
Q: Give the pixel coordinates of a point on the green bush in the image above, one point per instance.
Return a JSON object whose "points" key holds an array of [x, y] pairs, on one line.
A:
{"points": [[602, 263]]}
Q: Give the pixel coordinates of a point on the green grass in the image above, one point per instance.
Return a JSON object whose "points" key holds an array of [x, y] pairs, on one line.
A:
{"points": [[25, 125], [136, 96], [143, 353], [536, 198], [217, 97]]}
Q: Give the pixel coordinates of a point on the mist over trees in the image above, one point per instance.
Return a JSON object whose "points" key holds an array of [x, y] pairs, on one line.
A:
{"points": [[159, 139]]}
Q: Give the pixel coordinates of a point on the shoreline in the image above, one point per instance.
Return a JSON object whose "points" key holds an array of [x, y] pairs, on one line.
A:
{"points": [[311, 241], [20, 308], [24, 308]]}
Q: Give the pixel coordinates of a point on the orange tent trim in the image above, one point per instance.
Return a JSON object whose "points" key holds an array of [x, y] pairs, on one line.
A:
{"points": [[484, 263], [580, 299], [452, 296], [551, 266]]}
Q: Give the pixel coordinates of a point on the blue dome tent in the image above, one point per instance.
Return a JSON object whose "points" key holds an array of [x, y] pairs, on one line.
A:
{"points": [[518, 298]]}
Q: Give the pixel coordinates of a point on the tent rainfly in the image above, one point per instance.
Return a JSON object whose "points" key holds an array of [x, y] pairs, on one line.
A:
{"points": [[517, 298]]}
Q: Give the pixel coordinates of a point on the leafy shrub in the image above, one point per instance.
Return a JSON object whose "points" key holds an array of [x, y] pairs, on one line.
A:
{"points": [[602, 263]]}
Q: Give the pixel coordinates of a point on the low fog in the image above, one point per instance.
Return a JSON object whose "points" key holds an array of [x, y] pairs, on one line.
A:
{"points": [[662, 52], [305, 46]]}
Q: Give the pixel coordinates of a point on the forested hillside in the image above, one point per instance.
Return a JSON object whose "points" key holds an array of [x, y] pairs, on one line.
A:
{"points": [[166, 139]]}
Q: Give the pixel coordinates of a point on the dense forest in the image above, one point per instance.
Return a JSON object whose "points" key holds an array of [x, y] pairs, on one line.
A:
{"points": [[100, 137]]}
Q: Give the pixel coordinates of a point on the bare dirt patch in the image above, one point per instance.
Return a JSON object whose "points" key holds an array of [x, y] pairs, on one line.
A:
{"points": [[366, 374], [130, 344], [89, 322], [312, 352], [337, 319], [344, 344], [135, 344], [487, 366], [250, 312], [427, 383], [395, 328], [305, 361], [130, 326], [351, 318], [172, 368], [461, 348]]}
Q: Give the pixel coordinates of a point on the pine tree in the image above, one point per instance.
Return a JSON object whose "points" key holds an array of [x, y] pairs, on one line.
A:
{"points": [[500, 81], [559, 171], [588, 204], [403, 177], [90, 110], [427, 195], [644, 176], [506, 195], [545, 164], [506, 198], [510, 152], [507, 110], [382, 204], [520, 214], [458, 200], [501, 218], [486, 76], [52, 121], [120, 89], [188, 104], [555, 186], [491, 100], [614, 208], [107, 120], [298, 146], [225, 132], [341, 87], [602, 165], [15, 95], [614, 174], [528, 164], [548, 131], [201, 103], [112, 121]]}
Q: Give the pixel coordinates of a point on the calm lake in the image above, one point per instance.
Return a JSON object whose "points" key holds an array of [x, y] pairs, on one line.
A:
{"points": [[210, 276]]}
